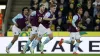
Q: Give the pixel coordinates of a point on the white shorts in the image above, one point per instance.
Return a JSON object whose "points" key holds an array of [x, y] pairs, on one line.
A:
{"points": [[34, 30], [16, 30], [75, 36], [42, 30]]}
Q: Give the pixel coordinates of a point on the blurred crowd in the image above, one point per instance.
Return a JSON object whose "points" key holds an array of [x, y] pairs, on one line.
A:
{"points": [[66, 10]]}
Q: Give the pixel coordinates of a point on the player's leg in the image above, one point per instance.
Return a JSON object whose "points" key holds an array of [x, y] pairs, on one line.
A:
{"points": [[41, 31], [71, 41], [33, 35], [16, 32], [77, 42], [34, 44], [49, 38], [36, 41]]}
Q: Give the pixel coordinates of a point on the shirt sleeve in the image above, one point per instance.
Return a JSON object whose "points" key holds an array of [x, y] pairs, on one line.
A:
{"points": [[17, 17], [47, 15], [75, 18], [33, 13]]}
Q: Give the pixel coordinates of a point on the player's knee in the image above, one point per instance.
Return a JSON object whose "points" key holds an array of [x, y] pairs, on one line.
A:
{"points": [[78, 41], [72, 42], [51, 36], [38, 39]]}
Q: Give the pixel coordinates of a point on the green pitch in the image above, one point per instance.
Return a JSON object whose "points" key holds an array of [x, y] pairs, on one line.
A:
{"points": [[49, 55]]}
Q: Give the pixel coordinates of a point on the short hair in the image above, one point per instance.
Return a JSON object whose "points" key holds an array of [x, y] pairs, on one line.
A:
{"points": [[25, 8], [41, 5], [32, 8], [53, 5], [77, 9]]}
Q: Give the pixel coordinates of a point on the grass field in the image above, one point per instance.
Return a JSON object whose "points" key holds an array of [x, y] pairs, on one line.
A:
{"points": [[49, 55]]}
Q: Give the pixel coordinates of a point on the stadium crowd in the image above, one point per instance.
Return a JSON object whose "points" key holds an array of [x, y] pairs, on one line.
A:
{"points": [[66, 10]]}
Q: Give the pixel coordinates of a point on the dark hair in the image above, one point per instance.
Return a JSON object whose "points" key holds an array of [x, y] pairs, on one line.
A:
{"points": [[25, 8], [32, 8], [77, 8]]}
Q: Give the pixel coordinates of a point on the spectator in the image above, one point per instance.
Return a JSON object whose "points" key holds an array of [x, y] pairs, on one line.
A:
{"points": [[80, 2], [71, 7], [59, 25], [69, 18], [34, 3], [45, 3], [96, 10], [96, 2], [53, 2], [97, 26], [36, 6], [97, 16], [74, 2], [52, 27], [59, 22], [97, 19], [88, 7], [71, 1], [87, 21], [63, 2], [62, 9]]}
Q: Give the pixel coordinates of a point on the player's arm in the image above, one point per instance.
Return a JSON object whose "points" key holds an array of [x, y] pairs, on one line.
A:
{"points": [[15, 18], [46, 17], [75, 18]]}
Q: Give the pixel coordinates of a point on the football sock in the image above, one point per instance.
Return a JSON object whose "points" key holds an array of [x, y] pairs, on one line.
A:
{"points": [[46, 41], [27, 44], [9, 46], [34, 43], [76, 47], [67, 41]]}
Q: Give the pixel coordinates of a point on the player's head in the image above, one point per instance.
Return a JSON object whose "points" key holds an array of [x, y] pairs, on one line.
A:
{"points": [[25, 10], [53, 7], [79, 10], [42, 7]]}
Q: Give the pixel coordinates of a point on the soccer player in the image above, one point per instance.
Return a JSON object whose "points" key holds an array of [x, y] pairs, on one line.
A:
{"points": [[74, 31], [44, 28], [35, 19], [20, 22]]}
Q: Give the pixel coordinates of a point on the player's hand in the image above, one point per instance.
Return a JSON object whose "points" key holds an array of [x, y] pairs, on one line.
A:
{"points": [[53, 18], [16, 24], [40, 19], [78, 29]]}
